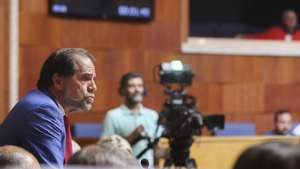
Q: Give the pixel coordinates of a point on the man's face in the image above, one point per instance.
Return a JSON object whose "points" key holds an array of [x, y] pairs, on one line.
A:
{"points": [[79, 89], [134, 90], [290, 19], [284, 123]]}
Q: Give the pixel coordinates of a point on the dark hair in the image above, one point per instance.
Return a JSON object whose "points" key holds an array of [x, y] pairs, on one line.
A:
{"points": [[61, 62], [271, 155], [104, 155], [280, 112], [126, 77]]}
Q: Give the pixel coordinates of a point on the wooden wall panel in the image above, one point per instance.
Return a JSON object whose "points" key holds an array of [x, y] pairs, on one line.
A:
{"points": [[244, 88], [34, 6], [226, 69], [243, 98], [284, 96], [264, 122], [209, 97], [31, 60], [283, 70], [4, 22]]}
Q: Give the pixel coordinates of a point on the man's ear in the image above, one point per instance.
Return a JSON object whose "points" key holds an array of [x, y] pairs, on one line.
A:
{"points": [[58, 81], [121, 91]]}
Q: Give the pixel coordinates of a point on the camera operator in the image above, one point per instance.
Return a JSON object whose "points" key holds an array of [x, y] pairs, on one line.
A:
{"points": [[132, 120]]}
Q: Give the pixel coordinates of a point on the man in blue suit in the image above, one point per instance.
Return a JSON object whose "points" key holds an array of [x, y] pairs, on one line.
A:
{"points": [[39, 121]]}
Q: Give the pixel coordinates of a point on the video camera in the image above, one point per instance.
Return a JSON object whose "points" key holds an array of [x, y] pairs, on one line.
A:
{"points": [[179, 116], [180, 109]]}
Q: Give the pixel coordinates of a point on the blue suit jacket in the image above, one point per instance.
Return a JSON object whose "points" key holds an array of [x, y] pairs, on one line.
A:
{"points": [[36, 124]]}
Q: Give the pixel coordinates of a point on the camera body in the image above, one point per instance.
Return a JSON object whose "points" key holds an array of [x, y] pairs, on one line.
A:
{"points": [[180, 116]]}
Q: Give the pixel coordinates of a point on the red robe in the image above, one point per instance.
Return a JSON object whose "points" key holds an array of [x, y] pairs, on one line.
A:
{"points": [[275, 33]]}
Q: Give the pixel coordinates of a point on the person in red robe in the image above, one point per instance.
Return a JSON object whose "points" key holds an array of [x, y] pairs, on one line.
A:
{"points": [[288, 30]]}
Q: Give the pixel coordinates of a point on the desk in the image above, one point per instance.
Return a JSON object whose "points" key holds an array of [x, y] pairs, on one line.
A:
{"points": [[222, 152]]}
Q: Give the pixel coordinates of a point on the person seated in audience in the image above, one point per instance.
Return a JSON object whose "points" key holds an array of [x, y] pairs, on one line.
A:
{"points": [[283, 122], [117, 141], [103, 155], [288, 30], [270, 155], [17, 158]]}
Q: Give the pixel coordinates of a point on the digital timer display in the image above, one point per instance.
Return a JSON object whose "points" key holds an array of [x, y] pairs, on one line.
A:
{"points": [[104, 9]]}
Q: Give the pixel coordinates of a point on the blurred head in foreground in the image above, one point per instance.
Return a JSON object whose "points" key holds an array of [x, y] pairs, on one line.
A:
{"points": [[117, 141], [104, 155], [271, 155], [13, 157]]}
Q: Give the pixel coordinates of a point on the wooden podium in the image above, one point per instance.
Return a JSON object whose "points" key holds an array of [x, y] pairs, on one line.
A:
{"points": [[222, 152]]}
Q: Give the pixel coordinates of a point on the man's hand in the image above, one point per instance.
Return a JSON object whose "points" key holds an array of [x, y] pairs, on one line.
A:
{"points": [[135, 134]]}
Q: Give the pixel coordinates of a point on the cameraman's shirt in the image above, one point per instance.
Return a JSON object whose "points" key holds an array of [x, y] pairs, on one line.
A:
{"points": [[122, 121]]}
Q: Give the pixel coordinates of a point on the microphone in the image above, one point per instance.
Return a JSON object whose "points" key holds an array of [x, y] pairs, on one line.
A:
{"points": [[145, 163]]}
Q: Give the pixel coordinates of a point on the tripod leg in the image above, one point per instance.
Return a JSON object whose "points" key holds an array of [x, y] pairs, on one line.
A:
{"points": [[190, 163]]}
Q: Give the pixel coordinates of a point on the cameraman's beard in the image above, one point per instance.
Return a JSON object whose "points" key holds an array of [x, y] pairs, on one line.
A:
{"points": [[135, 98], [138, 98]]}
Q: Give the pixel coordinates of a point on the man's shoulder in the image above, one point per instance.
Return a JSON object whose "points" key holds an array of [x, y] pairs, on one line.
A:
{"points": [[36, 98], [297, 34], [28, 112], [150, 112], [116, 111]]}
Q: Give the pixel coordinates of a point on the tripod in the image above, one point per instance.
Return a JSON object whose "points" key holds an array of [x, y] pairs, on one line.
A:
{"points": [[180, 153]]}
